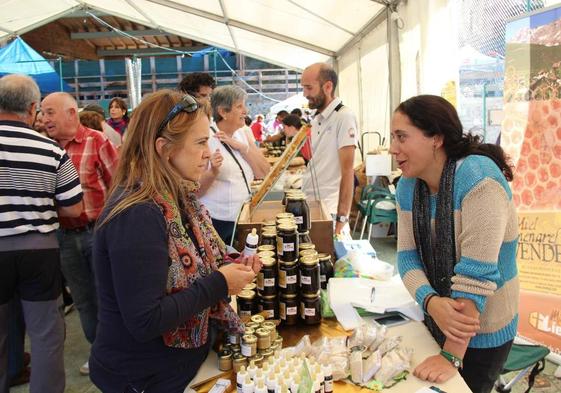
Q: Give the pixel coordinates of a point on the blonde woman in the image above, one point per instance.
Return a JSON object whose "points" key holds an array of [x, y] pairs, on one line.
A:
{"points": [[160, 265]]}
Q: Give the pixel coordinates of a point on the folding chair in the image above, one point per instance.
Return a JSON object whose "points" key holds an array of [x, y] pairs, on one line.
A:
{"points": [[369, 192], [527, 359]]}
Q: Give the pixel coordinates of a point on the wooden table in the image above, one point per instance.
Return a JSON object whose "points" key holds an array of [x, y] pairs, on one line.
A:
{"points": [[415, 335]]}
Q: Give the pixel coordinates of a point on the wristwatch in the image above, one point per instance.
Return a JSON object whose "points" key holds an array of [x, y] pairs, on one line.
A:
{"points": [[343, 219], [456, 362]]}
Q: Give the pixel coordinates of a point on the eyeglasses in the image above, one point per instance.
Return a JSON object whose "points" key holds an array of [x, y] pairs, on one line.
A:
{"points": [[187, 104]]}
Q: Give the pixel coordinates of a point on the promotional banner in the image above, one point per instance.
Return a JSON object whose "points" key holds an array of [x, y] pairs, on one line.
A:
{"points": [[531, 136]]}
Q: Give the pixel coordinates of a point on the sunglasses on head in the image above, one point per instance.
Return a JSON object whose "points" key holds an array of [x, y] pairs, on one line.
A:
{"points": [[187, 104]]}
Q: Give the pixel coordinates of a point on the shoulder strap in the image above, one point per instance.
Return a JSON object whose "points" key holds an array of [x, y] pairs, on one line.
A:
{"points": [[229, 149], [338, 107]]}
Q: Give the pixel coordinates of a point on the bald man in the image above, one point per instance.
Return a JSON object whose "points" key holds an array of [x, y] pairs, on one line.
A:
{"points": [[95, 159], [330, 176]]}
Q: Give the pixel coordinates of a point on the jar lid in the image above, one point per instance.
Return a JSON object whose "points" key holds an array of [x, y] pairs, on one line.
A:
{"points": [[238, 357], [309, 260], [289, 295], [266, 352], [247, 294], [268, 261], [250, 287], [324, 256], [266, 254], [252, 324], [262, 332], [225, 354], [249, 338], [249, 330], [307, 246], [288, 227], [269, 233], [297, 196], [268, 297], [269, 325], [284, 215], [268, 223], [259, 319], [285, 221], [266, 247], [307, 253], [311, 295]]}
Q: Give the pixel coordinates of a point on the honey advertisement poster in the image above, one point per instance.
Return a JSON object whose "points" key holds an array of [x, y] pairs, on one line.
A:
{"points": [[531, 136]]}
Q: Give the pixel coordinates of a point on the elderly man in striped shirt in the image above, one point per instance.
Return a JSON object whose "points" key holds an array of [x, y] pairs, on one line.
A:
{"points": [[38, 184], [95, 158]]}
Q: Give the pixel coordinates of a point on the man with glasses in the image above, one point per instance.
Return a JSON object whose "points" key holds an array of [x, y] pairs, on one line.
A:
{"points": [[198, 84], [330, 176], [95, 159]]}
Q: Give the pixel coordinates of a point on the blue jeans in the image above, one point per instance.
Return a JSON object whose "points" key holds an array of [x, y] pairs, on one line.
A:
{"points": [[76, 263]]}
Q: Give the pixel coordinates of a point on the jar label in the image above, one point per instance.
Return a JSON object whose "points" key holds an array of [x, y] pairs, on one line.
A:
{"points": [[328, 386], [245, 313], [288, 247], [246, 350], [282, 310], [282, 279], [260, 280], [298, 219], [322, 278], [234, 339], [306, 280], [309, 312], [269, 282], [292, 279], [291, 310], [269, 314], [279, 245]]}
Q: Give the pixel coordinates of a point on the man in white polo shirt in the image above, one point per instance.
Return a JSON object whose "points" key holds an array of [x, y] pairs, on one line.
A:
{"points": [[329, 176]]}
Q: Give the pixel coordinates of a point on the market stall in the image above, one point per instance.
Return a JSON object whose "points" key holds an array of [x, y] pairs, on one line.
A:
{"points": [[414, 334]]}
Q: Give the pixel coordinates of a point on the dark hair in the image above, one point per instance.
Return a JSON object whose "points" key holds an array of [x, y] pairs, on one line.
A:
{"points": [[292, 120], [282, 113], [95, 108], [91, 120], [121, 104], [190, 84], [297, 112], [433, 115], [247, 121], [326, 74]]}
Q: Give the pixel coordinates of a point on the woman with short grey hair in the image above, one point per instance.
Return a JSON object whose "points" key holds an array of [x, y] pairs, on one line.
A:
{"points": [[236, 161]]}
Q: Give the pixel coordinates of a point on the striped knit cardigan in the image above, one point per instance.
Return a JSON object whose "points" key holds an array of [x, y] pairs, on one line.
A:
{"points": [[486, 235]]}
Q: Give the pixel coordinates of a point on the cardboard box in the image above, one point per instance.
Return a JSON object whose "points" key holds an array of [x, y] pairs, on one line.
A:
{"points": [[321, 232]]}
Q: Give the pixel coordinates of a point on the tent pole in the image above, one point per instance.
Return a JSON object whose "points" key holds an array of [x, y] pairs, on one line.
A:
{"points": [[60, 73]]}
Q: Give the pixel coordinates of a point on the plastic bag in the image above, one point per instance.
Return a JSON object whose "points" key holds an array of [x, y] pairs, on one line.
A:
{"points": [[332, 351], [389, 344], [394, 363]]}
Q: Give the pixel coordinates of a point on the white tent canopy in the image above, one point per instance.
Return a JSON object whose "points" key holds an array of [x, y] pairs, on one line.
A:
{"points": [[289, 33], [381, 57]]}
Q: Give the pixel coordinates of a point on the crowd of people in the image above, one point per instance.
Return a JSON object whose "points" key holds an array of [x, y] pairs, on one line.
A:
{"points": [[134, 215]]}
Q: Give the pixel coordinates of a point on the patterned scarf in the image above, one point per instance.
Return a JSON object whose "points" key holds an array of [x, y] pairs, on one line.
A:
{"points": [[439, 258], [190, 262]]}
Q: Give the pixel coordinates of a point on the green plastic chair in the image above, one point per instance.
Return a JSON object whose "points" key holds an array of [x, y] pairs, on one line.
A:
{"points": [[526, 359], [377, 214], [369, 192]]}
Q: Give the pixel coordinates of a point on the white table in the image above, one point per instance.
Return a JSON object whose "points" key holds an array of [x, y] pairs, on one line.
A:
{"points": [[415, 335]]}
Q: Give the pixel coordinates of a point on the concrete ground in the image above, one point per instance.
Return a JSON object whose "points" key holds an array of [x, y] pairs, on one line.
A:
{"points": [[77, 348]]}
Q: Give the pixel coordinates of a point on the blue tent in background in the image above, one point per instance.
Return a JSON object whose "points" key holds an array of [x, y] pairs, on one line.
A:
{"points": [[20, 58]]}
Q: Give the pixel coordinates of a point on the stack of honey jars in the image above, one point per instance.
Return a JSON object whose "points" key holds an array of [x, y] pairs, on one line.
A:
{"points": [[259, 341], [297, 205]]}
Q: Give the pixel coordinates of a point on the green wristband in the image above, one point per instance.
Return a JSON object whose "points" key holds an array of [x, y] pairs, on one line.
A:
{"points": [[456, 362]]}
